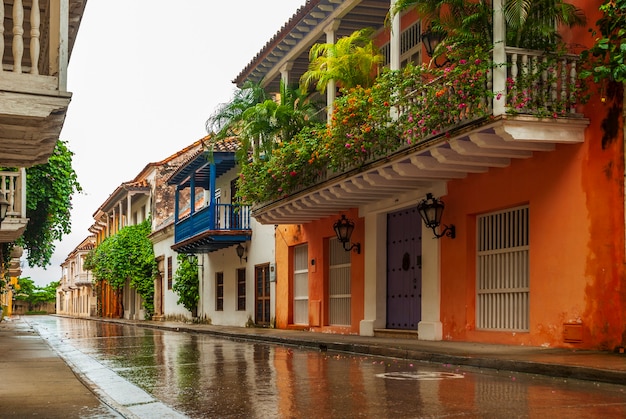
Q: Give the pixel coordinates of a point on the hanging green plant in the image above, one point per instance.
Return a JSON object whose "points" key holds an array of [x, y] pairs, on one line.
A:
{"points": [[127, 255]]}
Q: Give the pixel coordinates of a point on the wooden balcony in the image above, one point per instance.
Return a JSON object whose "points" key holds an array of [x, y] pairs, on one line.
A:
{"points": [[212, 228], [36, 41], [495, 129], [13, 186]]}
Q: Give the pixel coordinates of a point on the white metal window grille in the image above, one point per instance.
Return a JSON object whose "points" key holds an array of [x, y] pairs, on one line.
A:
{"points": [[410, 46], [339, 291], [301, 284], [502, 300]]}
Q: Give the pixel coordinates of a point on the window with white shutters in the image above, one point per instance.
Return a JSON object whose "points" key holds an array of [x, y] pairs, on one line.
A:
{"points": [[301, 284], [339, 289], [502, 300]]}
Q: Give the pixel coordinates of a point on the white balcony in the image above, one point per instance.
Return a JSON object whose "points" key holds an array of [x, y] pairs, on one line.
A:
{"points": [[36, 39], [13, 186]]}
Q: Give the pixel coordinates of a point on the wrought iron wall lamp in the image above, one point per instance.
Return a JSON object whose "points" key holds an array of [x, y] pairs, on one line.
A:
{"points": [[343, 229], [431, 39], [431, 210], [240, 252]]}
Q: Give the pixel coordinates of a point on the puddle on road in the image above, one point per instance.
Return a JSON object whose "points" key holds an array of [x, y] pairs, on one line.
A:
{"points": [[419, 375]]}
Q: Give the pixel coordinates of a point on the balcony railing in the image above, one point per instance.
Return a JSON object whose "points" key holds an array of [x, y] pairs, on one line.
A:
{"points": [[82, 279], [35, 41], [541, 84], [218, 219], [13, 186]]}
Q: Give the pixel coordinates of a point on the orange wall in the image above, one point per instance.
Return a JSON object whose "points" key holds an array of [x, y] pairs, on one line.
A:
{"points": [[576, 201], [316, 234]]}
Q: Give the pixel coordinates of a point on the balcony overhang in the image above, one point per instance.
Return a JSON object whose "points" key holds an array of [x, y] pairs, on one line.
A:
{"points": [[212, 240], [12, 228], [30, 125], [413, 171]]}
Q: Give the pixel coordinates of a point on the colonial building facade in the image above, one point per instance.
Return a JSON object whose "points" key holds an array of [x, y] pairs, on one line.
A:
{"points": [[75, 294], [535, 205]]}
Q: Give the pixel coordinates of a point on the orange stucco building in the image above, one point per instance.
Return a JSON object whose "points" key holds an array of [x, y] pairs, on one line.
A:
{"points": [[537, 206]]}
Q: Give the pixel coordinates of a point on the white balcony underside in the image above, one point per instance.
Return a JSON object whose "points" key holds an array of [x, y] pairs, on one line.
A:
{"points": [[418, 169], [12, 228], [30, 126]]}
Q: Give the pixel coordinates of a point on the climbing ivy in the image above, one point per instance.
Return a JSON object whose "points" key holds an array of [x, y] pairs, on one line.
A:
{"points": [[127, 255], [186, 283], [49, 190]]}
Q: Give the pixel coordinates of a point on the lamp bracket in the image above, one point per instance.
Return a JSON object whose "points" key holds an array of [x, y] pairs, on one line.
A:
{"points": [[355, 246], [449, 231]]}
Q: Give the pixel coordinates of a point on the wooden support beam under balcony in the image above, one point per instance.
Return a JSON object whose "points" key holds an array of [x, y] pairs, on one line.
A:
{"points": [[415, 170]]}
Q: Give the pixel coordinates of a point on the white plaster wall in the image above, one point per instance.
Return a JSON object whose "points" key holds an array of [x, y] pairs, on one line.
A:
{"points": [[260, 250]]}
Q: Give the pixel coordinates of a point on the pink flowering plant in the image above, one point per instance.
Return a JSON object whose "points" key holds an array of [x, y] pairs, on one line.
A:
{"points": [[431, 101], [543, 86]]}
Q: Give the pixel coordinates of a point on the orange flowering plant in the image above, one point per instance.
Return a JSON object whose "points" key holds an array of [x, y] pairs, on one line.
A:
{"points": [[360, 129]]}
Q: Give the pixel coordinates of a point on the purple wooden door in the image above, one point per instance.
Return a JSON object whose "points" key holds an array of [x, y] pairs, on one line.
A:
{"points": [[404, 269]]}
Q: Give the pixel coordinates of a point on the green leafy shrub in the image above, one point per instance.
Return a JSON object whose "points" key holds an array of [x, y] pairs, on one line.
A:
{"points": [[186, 283]]}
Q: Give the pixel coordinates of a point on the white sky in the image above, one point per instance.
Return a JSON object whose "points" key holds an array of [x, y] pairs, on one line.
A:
{"points": [[145, 75]]}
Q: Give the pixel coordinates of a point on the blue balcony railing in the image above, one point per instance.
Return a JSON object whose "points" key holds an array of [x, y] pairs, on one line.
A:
{"points": [[220, 219]]}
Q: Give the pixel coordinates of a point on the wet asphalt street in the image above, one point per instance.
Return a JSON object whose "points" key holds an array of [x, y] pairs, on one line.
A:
{"points": [[152, 373]]}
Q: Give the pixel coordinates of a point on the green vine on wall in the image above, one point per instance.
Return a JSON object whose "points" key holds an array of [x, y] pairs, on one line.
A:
{"points": [[127, 255]]}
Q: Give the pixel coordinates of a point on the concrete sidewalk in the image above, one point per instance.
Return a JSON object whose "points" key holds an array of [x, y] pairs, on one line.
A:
{"points": [[597, 366], [35, 381]]}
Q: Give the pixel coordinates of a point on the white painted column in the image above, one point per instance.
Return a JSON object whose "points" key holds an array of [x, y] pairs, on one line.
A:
{"points": [[284, 73], [499, 57], [128, 209], [430, 327], [394, 43], [331, 88], [375, 276], [394, 51]]}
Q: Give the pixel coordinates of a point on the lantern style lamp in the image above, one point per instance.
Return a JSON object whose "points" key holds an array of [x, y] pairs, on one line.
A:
{"points": [[431, 210], [343, 229], [240, 251], [431, 39], [4, 207]]}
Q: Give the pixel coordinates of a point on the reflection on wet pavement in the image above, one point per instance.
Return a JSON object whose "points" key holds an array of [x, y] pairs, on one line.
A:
{"points": [[203, 376]]}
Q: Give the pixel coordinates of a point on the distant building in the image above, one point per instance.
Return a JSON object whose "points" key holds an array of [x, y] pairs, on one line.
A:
{"points": [[76, 294]]}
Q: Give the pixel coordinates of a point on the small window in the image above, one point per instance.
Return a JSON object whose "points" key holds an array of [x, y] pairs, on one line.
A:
{"points": [[241, 289], [219, 291], [169, 273]]}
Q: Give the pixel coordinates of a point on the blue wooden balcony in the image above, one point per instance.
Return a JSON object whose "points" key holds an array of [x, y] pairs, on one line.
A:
{"points": [[206, 225], [212, 228]]}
